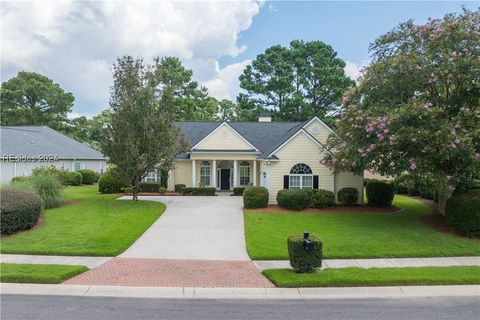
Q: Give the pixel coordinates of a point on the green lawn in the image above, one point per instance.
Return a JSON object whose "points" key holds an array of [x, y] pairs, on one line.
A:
{"points": [[356, 235], [38, 273], [92, 225], [348, 277]]}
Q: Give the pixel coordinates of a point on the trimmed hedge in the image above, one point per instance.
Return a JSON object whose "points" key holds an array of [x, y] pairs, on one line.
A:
{"points": [[67, 178], [322, 198], [238, 191], [88, 176], [294, 199], [255, 197], [380, 194], [179, 187], [200, 191], [149, 186], [110, 182], [463, 213], [19, 210], [301, 259], [20, 179], [348, 196]]}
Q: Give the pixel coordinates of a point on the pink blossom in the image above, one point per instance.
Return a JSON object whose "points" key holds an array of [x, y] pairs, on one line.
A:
{"points": [[453, 131], [457, 126], [454, 53], [454, 146], [449, 178], [457, 141], [381, 137], [413, 166], [451, 188], [477, 155], [345, 99], [414, 98]]}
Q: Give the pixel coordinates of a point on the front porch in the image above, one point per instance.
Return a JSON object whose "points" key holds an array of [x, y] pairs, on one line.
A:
{"points": [[222, 174]]}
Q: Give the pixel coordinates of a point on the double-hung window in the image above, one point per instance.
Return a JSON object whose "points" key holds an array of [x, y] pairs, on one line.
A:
{"points": [[300, 177], [244, 173], [205, 173]]}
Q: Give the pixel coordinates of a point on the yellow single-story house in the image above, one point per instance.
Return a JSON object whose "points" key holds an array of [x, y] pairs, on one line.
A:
{"points": [[275, 155]]}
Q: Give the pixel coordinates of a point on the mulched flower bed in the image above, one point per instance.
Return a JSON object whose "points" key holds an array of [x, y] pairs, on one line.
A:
{"points": [[273, 208]]}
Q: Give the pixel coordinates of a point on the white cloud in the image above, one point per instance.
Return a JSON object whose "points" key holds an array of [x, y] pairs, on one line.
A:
{"points": [[75, 43], [225, 84], [353, 70]]}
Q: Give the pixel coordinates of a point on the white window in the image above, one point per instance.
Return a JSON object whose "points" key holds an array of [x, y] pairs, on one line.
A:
{"points": [[300, 177], [205, 173], [244, 173], [152, 177], [77, 166]]}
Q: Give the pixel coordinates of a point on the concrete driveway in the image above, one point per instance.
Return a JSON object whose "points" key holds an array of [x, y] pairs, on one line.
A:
{"points": [[202, 228]]}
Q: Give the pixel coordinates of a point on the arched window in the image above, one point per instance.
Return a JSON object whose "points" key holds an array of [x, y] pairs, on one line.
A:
{"points": [[300, 177], [244, 173], [205, 173]]}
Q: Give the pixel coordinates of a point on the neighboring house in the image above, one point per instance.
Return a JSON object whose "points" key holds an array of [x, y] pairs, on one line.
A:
{"points": [[24, 148], [276, 155]]}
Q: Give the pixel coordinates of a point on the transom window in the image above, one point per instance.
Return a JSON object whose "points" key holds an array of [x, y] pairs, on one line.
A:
{"points": [[300, 177], [244, 173], [152, 177], [205, 173]]}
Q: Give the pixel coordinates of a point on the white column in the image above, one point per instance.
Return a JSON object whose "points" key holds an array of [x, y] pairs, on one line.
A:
{"points": [[235, 173], [254, 173], [214, 173], [194, 172]]}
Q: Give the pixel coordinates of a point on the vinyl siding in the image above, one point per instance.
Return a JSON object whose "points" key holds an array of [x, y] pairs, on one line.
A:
{"points": [[183, 173], [8, 170], [217, 141], [349, 180], [211, 156], [320, 133], [300, 149]]}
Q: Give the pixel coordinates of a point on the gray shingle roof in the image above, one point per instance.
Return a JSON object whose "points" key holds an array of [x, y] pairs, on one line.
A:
{"points": [[265, 136], [41, 140]]}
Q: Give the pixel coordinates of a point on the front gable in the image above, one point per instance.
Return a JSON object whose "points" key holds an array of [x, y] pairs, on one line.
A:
{"points": [[224, 137], [318, 129]]}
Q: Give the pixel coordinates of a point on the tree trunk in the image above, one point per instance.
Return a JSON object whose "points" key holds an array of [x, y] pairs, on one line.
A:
{"points": [[135, 189], [443, 195]]}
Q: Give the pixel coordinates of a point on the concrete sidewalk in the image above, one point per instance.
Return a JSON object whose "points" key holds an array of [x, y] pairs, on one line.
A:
{"points": [[240, 293], [90, 262], [199, 228], [378, 263]]}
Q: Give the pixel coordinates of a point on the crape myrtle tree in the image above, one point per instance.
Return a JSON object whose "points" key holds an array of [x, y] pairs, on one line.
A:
{"points": [[297, 82], [417, 107], [140, 135]]}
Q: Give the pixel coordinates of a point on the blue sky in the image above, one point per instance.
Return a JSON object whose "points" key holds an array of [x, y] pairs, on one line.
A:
{"points": [[348, 26], [75, 43]]}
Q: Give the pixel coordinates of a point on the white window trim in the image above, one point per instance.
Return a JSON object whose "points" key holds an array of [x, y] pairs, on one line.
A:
{"points": [[244, 164], [301, 186], [206, 176]]}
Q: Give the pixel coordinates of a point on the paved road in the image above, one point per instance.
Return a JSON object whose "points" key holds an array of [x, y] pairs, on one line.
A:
{"points": [[75, 308], [202, 228]]}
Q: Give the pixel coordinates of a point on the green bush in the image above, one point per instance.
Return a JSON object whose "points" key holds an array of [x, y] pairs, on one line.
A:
{"points": [[70, 178], [162, 190], [294, 199], [110, 182], [20, 179], [67, 178], [179, 187], [427, 190], [255, 197], [301, 259], [149, 186], [348, 196], [380, 194], [322, 198], [238, 191], [463, 213], [19, 210], [400, 183], [200, 191], [88, 176]]}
